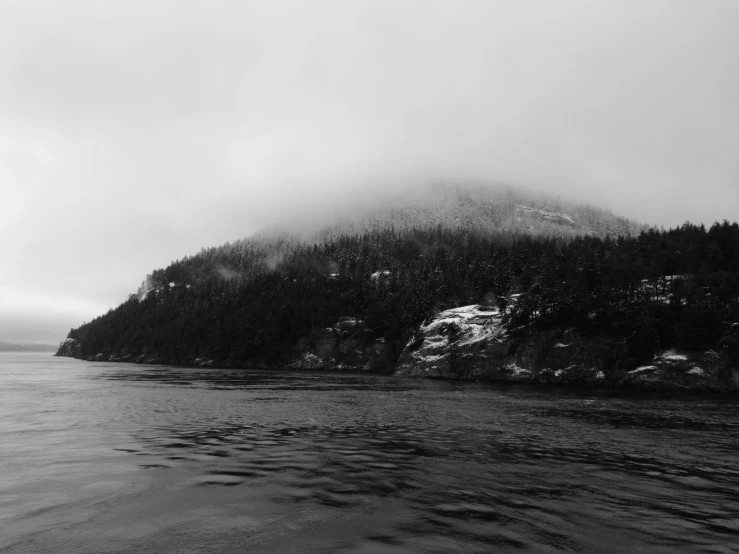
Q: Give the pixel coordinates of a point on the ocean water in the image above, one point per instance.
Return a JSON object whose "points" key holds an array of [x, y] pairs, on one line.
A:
{"points": [[99, 457]]}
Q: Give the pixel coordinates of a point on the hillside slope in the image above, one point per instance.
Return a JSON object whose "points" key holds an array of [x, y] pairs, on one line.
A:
{"points": [[506, 210], [347, 298]]}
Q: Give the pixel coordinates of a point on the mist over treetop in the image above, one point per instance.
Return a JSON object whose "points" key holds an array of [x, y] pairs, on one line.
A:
{"points": [[480, 207], [135, 132], [502, 213]]}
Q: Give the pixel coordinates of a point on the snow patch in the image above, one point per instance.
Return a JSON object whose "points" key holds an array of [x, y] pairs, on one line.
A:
{"points": [[672, 355], [474, 325], [472, 310], [429, 359], [697, 371], [643, 368], [349, 321], [462, 309], [548, 215], [516, 370]]}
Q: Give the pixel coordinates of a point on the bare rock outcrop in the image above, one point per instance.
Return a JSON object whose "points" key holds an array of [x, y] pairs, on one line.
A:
{"points": [[343, 347], [471, 343], [70, 348]]}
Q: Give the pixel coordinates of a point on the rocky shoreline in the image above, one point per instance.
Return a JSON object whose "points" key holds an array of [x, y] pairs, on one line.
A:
{"points": [[469, 343]]}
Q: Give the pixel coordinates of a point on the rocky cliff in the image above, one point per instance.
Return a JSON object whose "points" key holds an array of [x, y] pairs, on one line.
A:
{"points": [[470, 343], [70, 348]]}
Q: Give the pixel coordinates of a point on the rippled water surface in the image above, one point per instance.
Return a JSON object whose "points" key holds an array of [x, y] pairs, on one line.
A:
{"points": [[98, 457]]}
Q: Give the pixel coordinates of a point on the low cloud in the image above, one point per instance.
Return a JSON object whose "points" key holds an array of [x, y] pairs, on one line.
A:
{"points": [[228, 274], [136, 133], [32, 317]]}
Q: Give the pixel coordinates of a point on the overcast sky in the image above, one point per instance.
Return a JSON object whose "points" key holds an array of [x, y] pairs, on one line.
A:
{"points": [[135, 132]]}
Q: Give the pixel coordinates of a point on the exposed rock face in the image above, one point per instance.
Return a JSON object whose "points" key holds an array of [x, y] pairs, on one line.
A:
{"points": [[469, 343], [344, 346], [70, 348], [546, 215], [466, 342], [685, 370]]}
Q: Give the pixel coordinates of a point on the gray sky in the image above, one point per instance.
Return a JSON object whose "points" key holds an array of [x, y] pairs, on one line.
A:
{"points": [[135, 132]]}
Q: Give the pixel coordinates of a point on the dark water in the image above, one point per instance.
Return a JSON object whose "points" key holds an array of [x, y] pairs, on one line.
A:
{"points": [[98, 457]]}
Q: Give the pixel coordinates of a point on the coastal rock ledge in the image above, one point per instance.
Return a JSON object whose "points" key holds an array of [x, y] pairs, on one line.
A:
{"points": [[470, 343], [70, 348]]}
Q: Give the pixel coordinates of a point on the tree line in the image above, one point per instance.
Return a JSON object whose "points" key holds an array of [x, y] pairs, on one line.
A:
{"points": [[255, 299]]}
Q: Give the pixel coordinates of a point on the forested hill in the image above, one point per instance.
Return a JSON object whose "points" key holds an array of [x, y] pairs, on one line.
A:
{"points": [[261, 301], [501, 214], [500, 210]]}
